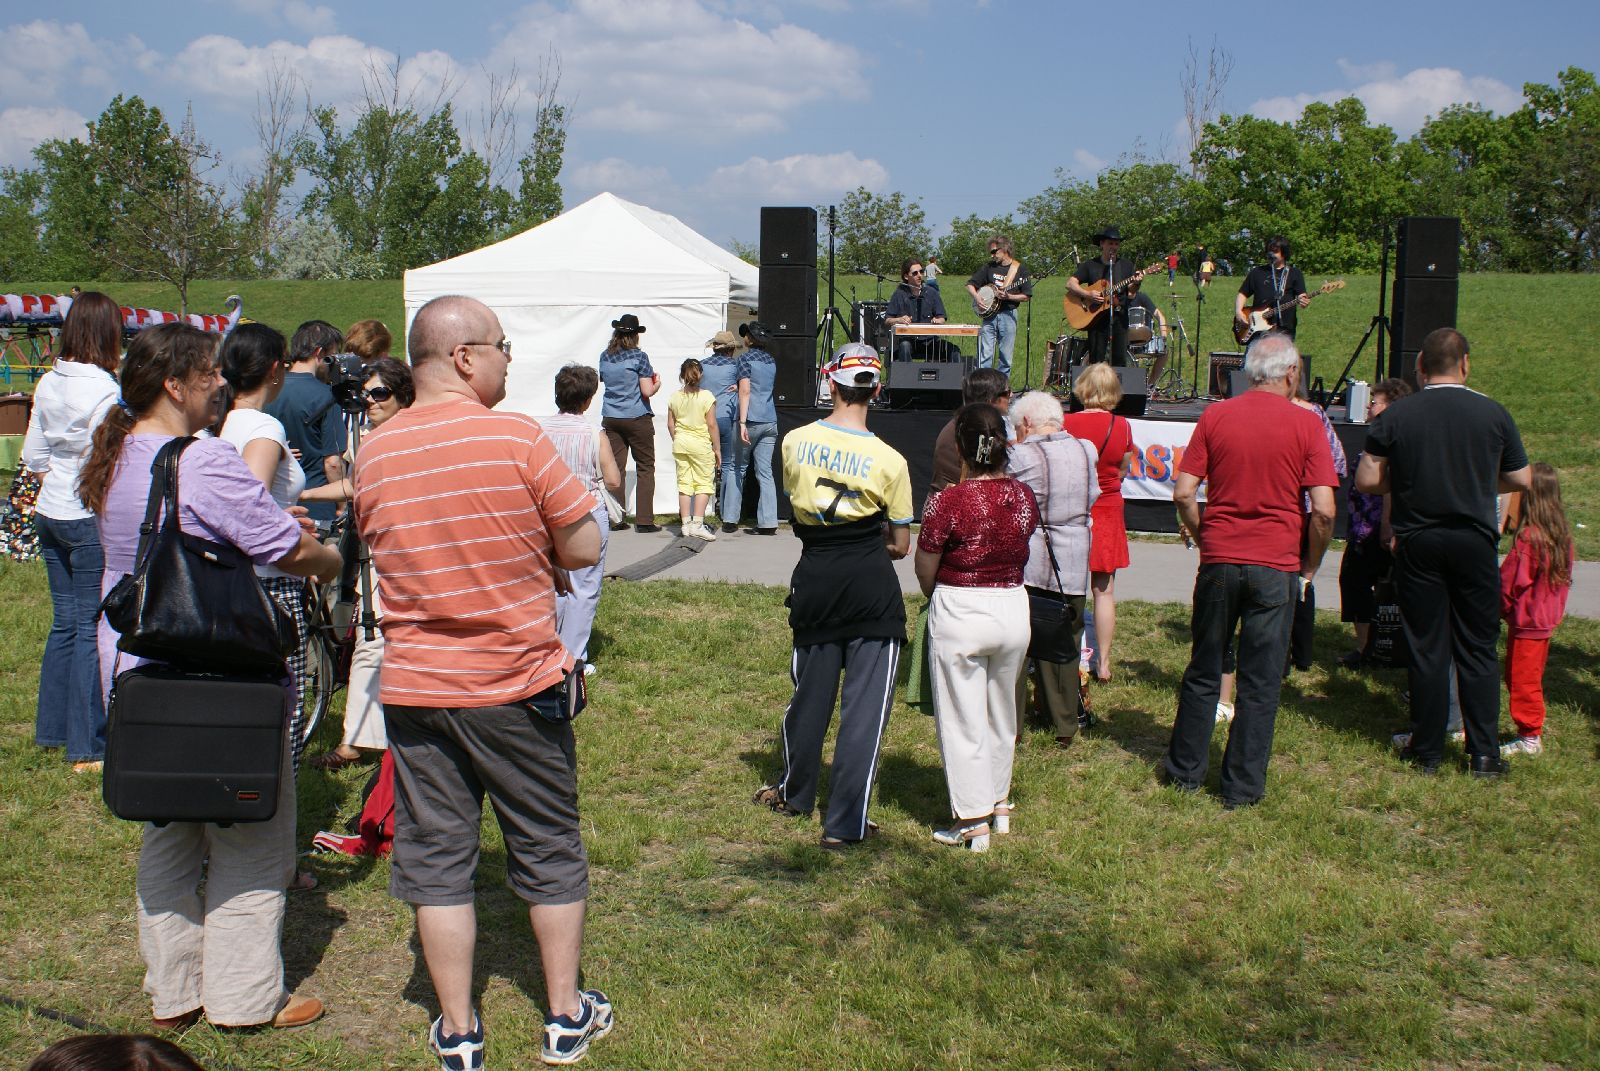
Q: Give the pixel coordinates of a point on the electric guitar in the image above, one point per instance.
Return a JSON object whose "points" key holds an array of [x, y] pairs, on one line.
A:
{"points": [[1081, 313], [1259, 318]]}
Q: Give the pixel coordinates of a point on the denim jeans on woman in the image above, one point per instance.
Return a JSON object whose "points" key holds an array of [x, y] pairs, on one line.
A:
{"points": [[736, 458], [1259, 602], [72, 711]]}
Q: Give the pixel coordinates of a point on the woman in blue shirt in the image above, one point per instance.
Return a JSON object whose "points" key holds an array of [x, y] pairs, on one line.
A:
{"points": [[720, 374], [625, 414], [758, 428]]}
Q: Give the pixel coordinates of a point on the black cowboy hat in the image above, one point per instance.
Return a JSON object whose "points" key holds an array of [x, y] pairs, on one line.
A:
{"points": [[628, 322], [1105, 233], [755, 331]]}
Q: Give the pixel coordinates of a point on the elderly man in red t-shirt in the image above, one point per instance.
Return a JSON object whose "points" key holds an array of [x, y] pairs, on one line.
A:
{"points": [[1257, 453]]}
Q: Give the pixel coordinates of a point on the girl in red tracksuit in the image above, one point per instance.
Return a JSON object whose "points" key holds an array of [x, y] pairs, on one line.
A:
{"points": [[1534, 581]]}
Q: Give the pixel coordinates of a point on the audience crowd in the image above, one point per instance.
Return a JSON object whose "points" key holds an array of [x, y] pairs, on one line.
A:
{"points": [[482, 542]]}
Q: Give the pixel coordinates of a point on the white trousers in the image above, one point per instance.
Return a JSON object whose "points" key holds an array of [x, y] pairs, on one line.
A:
{"points": [[363, 710], [219, 951], [979, 640]]}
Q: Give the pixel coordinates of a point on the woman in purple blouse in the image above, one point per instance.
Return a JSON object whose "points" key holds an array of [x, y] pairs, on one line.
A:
{"points": [[213, 951]]}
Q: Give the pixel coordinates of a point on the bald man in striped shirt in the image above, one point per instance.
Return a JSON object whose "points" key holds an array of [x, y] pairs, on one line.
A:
{"points": [[469, 513]]}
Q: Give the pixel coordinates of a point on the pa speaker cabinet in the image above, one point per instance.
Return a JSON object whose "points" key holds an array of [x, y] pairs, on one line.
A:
{"points": [[928, 375], [1403, 365], [1429, 247], [789, 299], [1134, 391], [1238, 382], [789, 236], [1420, 306], [795, 384]]}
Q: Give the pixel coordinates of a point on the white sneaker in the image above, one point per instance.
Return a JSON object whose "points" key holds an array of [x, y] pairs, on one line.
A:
{"points": [[1224, 713], [702, 530], [1523, 745], [1401, 741]]}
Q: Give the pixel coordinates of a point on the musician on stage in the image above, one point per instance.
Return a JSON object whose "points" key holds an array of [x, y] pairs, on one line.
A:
{"points": [[999, 328], [913, 302], [1158, 325], [1276, 283], [1108, 336]]}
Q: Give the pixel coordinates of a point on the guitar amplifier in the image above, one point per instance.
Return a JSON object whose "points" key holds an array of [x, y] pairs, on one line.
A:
{"points": [[927, 375], [1222, 362]]}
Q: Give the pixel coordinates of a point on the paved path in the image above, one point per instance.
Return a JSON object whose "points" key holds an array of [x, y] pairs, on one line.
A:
{"points": [[1161, 572]]}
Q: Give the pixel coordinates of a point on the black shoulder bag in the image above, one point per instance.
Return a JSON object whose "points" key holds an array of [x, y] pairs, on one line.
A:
{"points": [[192, 602]]}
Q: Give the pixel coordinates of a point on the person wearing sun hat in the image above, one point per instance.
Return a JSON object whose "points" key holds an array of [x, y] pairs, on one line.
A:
{"points": [[719, 374], [625, 415], [851, 497]]}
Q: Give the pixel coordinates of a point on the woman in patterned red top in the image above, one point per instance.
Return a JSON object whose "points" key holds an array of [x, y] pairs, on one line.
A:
{"points": [[1099, 390], [970, 555]]}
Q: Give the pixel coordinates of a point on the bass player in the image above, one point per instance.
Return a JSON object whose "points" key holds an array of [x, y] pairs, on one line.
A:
{"points": [[1108, 335], [1277, 285]]}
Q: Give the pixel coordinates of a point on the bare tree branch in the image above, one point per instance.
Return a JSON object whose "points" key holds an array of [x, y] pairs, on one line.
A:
{"points": [[1202, 97]]}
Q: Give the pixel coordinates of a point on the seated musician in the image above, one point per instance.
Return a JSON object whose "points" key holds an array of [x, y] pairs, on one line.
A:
{"points": [[914, 303], [1158, 325]]}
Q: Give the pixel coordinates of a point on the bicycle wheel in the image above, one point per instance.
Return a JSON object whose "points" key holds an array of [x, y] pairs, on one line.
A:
{"points": [[317, 686]]}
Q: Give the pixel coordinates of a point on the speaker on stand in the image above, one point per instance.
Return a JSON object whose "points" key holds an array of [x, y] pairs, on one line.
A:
{"points": [[1426, 287], [788, 297]]}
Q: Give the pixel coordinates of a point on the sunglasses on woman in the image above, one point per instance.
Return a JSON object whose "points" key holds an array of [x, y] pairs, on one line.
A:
{"points": [[379, 394]]}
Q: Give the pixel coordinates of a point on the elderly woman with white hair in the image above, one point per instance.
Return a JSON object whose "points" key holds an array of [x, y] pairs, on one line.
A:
{"points": [[1060, 468]]}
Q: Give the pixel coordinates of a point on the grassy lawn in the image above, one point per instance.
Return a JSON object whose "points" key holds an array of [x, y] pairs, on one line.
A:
{"points": [[1362, 917], [1529, 335]]}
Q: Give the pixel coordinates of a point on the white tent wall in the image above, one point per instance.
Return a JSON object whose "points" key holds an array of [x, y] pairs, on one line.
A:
{"points": [[557, 287]]}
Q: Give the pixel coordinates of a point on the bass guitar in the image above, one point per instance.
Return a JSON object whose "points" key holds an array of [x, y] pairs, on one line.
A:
{"points": [[1259, 318], [1082, 313]]}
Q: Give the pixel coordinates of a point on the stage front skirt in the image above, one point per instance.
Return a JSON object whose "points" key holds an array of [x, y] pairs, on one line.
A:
{"points": [[1158, 447]]}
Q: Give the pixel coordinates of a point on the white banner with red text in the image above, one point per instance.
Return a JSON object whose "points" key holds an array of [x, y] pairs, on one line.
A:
{"points": [[1158, 447]]}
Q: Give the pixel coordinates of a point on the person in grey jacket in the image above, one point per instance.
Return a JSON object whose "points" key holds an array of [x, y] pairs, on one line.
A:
{"points": [[1060, 469]]}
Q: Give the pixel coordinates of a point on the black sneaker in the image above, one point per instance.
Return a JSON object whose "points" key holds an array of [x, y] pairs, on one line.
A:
{"points": [[566, 1039], [646, 529], [729, 529], [457, 1052]]}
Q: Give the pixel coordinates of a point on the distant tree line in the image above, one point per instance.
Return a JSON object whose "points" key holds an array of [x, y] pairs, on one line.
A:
{"points": [[1526, 186], [393, 183]]}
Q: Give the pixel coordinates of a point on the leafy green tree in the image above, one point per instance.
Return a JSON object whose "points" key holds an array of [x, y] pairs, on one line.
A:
{"points": [[1460, 164], [1555, 183], [964, 249], [539, 193], [878, 231], [21, 255], [1148, 202]]}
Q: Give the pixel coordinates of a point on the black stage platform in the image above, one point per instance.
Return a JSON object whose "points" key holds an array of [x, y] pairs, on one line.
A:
{"points": [[913, 431]]}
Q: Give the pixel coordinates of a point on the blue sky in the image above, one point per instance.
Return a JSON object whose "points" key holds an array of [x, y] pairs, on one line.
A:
{"points": [[711, 108]]}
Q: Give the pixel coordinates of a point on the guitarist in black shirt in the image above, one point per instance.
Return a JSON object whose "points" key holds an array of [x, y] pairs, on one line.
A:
{"points": [[1276, 284], [1108, 336]]}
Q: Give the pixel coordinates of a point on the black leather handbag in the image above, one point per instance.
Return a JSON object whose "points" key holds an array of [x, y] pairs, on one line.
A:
{"points": [[191, 602]]}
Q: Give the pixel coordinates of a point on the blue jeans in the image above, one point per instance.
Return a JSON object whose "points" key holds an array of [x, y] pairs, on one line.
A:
{"points": [[736, 458], [72, 710], [1259, 602], [999, 331]]}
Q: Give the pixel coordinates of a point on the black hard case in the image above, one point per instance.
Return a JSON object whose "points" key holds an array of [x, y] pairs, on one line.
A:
{"points": [[187, 747]]}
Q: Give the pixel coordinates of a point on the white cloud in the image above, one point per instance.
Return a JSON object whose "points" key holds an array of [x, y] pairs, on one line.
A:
{"points": [[624, 178], [1087, 163], [45, 58], [296, 14], [1402, 102], [803, 179], [682, 68], [23, 128], [225, 67]]}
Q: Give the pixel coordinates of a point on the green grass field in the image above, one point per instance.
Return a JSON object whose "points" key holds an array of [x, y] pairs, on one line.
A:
{"points": [[1531, 339], [1362, 917]]}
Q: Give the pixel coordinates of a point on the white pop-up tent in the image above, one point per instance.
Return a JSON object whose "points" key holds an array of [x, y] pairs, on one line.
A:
{"points": [[557, 287]]}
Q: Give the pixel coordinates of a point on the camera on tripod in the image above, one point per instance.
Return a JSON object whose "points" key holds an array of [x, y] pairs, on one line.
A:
{"points": [[347, 377]]}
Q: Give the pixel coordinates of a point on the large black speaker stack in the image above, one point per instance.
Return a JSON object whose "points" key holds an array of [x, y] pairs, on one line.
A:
{"points": [[1426, 286], [789, 300]]}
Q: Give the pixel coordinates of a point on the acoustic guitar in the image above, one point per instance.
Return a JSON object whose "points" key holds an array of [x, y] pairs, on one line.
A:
{"points": [[1082, 313], [1259, 318]]}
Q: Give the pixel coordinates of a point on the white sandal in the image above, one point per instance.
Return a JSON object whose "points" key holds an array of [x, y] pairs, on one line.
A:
{"points": [[973, 836], [1001, 822]]}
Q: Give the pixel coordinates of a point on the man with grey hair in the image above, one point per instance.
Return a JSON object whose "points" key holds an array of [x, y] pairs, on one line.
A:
{"points": [[469, 513], [1256, 453], [1060, 469]]}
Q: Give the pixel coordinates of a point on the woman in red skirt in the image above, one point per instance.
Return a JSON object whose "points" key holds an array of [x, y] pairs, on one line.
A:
{"points": [[1099, 390]]}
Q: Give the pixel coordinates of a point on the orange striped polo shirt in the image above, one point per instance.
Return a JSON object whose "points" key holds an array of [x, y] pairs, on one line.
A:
{"points": [[457, 503]]}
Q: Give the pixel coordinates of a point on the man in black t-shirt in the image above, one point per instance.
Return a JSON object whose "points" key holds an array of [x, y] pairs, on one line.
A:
{"points": [[1444, 453], [1108, 335], [1276, 283]]}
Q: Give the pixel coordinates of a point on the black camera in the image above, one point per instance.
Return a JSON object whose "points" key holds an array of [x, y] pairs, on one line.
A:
{"points": [[347, 378]]}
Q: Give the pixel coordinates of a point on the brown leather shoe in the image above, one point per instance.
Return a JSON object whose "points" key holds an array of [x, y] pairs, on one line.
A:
{"points": [[300, 1011]]}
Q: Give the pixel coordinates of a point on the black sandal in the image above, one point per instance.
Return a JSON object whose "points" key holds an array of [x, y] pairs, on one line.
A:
{"points": [[769, 797]]}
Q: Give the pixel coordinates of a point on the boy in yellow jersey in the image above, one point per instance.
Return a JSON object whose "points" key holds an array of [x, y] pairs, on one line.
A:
{"points": [[851, 496]]}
